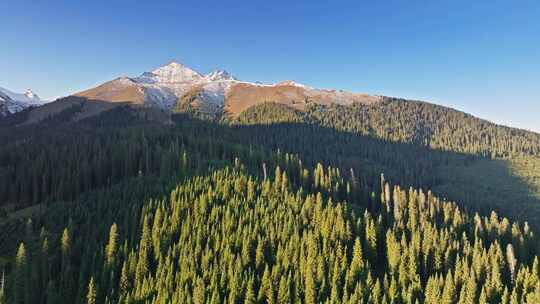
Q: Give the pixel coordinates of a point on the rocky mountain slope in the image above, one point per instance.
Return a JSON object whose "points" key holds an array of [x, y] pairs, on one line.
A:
{"points": [[215, 93]]}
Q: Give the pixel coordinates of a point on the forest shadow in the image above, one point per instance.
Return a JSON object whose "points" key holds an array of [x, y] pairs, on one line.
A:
{"points": [[476, 183], [501, 184]]}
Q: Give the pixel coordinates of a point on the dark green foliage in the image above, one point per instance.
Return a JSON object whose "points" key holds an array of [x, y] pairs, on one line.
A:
{"points": [[270, 113], [305, 246], [14, 119], [429, 125], [59, 162]]}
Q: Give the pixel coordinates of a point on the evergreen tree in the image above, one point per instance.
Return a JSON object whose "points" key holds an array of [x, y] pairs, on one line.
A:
{"points": [[284, 291], [21, 276], [111, 247], [91, 296]]}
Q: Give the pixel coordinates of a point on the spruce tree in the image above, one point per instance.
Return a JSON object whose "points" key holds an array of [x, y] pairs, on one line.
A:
{"points": [[111, 247], [21, 276], [91, 295]]}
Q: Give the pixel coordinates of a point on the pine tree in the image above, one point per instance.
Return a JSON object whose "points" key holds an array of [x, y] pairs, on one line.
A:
{"points": [[511, 260], [21, 275], [310, 292], [199, 292], [112, 245], [250, 190], [469, 296], [357, 262], [145, 251], [260, 255], [449, 292], [66, 247], [91, 296], [266, 285], [284, 291], [249, 297], [124, 280], [483, 297]]}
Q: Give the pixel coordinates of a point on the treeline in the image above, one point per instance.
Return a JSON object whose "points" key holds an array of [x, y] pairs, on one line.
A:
{"points": [[396, 137], [57, 161], [299, 235], [430, 125], [406, 121]]}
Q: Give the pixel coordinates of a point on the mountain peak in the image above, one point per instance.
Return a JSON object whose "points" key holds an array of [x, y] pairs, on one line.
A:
{"points": [[11, 102], [27, 97], [172, 65], [31, 95], [218, 75], [172, 72]]}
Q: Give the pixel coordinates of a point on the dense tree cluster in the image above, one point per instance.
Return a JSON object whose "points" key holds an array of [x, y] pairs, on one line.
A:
{"points": [[430, 125], [55, 161], [302, 236], [407, 121], [396, 137], [269, 113]]}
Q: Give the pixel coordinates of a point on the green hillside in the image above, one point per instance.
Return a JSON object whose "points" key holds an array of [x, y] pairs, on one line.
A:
{"points": [[229, 236]]}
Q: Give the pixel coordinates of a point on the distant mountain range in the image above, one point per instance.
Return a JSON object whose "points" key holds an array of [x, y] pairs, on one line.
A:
{"points": [[213, 94], [11, 102]]}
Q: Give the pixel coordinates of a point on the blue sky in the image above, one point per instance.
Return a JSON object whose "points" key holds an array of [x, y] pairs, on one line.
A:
{"points": [[481, 57]]}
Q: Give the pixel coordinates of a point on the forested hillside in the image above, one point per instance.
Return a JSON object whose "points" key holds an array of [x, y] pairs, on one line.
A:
{"points": [[82, 157], [409, 121], [333, 204], [499, 171], [228, 236]]}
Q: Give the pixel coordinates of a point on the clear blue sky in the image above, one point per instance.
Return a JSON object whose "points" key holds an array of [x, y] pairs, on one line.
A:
{"points": [[481, 57]]}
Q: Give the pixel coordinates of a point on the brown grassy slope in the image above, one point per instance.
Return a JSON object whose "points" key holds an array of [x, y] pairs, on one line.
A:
{"points": [[50, 109], [93, 101], [119, 90], [242, 96], [88, 108]]}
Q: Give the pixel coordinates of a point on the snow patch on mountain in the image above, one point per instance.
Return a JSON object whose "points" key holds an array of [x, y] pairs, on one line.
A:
{"points": [[12, 102], [27, 97], [171, 73], [219, 75], [164, 86], [292, 83]]}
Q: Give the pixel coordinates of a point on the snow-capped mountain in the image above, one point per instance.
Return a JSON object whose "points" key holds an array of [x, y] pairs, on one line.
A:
{"points": [[164, 86], [216, 92], [171, 73], [11, 102], [219, 75]]}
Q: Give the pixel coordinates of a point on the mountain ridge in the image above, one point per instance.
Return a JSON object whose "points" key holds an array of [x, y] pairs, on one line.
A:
{"points": [[11, 102], [221, 92]]}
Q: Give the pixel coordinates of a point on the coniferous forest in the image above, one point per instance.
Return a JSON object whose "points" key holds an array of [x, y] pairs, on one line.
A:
{"points": [[337, 204]]}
